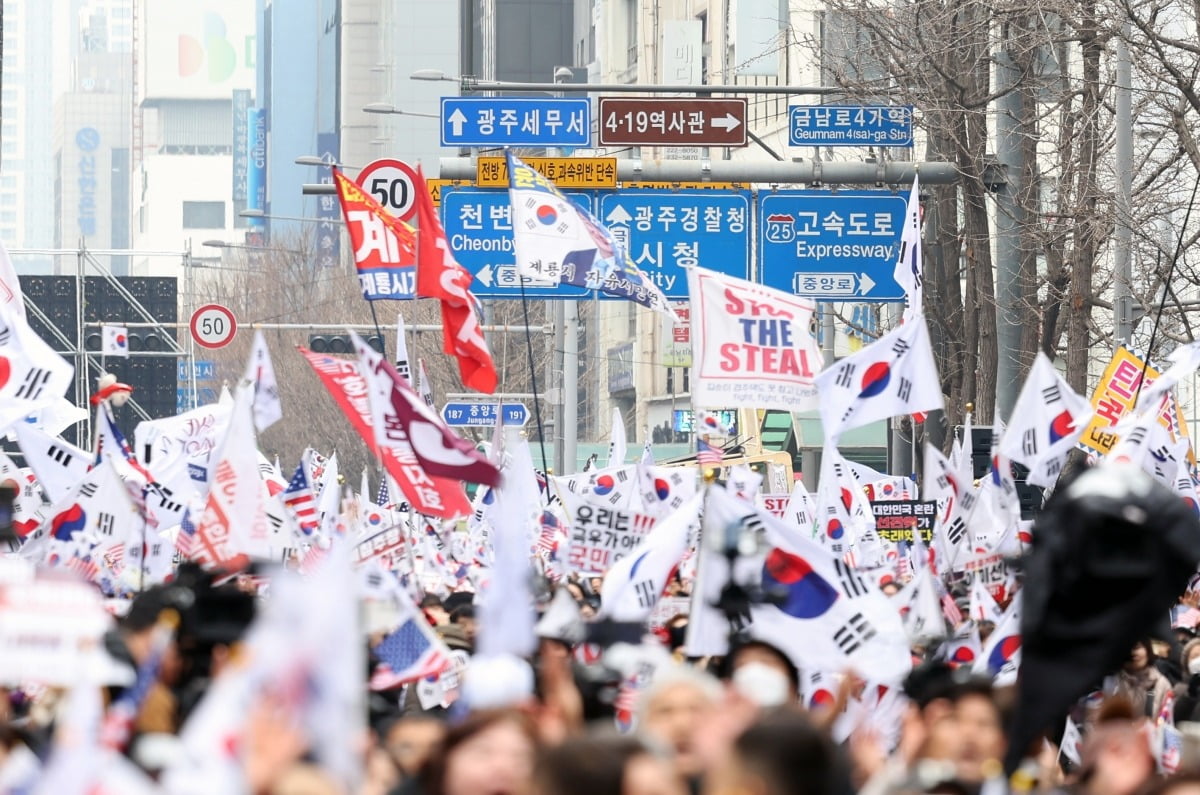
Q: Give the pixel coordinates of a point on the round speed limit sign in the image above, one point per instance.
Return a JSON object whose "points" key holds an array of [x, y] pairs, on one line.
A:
{"points": [[391, 182], [213, 326]]}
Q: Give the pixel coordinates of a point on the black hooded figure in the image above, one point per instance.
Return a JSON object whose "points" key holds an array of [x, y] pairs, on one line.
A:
{"points": [[1112, 552]]}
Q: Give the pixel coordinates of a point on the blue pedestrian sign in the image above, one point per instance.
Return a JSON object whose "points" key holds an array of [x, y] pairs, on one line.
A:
{"points": [[850, 125], [668, 231], [478, 223], [516, 121], [481, 415], [834, 247]]}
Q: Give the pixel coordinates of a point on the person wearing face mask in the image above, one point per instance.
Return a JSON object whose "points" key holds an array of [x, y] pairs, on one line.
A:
{"points": [[1187, 692], [762, 673]]}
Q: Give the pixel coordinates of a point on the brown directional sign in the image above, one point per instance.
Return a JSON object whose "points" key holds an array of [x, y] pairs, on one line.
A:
{"points": [[672, 121]]}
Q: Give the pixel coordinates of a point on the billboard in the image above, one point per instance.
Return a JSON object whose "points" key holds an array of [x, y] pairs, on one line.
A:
{"points": [[201, 49], [256, 170]]}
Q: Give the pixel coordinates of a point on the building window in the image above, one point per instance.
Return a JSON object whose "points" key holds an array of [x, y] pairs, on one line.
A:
{"points": [[631, 31], [204, 215]]}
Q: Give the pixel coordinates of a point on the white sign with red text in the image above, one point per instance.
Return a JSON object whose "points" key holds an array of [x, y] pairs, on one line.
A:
{"points": [[752, 346]]}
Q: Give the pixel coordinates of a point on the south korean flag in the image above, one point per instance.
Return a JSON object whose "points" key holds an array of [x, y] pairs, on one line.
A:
{"points": [[1047, 421], [893, 376]]}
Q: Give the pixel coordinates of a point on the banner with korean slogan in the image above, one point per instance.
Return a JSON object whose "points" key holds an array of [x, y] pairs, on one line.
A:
{"points": [[752, 346], [385, 249], [601, 535], [1114, 397]]}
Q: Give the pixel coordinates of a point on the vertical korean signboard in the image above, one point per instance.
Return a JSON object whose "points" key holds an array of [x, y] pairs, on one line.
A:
{"points": [[241, 152], [328, 230]]}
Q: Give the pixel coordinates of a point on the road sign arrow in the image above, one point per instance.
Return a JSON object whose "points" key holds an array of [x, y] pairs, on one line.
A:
{"points": [[726, 122], [485, 276], [619, 215], [457, 120], [865, 283]]}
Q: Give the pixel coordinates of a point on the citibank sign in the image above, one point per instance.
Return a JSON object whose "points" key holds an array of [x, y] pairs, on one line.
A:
{"points": [[87, 141]]}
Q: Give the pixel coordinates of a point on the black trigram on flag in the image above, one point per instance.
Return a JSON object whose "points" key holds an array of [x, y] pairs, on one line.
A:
{"points": [[853, 634], [60, 455], [34, 384], [1052, 394], [900, 347], [1052, 467], [5, 333], [904, 391], [87, 489], [645, 593], [845, 375], [104, 523], [956, 530], [1029, 442], [852, 584]]}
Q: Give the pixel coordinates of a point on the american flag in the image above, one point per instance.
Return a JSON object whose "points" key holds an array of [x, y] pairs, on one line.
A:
{"points": [[298, 499], [408, 654], [85, 567], [185, 540], [548, 538], [951, 610], [707, 455], [383, 497]]}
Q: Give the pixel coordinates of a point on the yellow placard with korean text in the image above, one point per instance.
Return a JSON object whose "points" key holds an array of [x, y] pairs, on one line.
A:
{"points": [[435, 188], [1116, 394], [565, 172]]}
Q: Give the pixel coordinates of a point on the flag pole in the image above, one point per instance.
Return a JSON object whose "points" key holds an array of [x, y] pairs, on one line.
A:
{"points": [[537, 410], [378, 331]]}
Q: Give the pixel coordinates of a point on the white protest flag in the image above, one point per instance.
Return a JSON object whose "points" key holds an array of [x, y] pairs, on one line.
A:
{"points": [[1184, 361], [11, 297], [506, 615], [1003, 649], [115, 341], [58, 464], [617, 444], [752, 346], [801, 510], [1072, 742], [846, 522], [260, 375], [892, 376], [183, 444], [32, 375], [234, 523], [403, 366], [921, 608], [1144, 442], [982, 606], [828, 616], [635, 583], [1047, 420], [618, 486], [97, 515], [908, 266], [424, 385], [966, 460]]}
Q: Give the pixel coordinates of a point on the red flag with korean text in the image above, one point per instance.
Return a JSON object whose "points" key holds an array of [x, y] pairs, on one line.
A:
{"points": [[440, 276], [432, 496], [385, 249]]}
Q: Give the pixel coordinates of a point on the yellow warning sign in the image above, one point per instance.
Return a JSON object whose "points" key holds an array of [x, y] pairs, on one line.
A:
{"points": [[565, 172]]}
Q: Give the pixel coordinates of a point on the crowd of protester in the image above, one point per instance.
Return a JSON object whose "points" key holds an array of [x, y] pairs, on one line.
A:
{"points": [[730, 725]]}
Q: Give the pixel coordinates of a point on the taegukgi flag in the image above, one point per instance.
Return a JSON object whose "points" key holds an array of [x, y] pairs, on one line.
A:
{"points": [[892, 376], [1047, 421], [753, 347]]}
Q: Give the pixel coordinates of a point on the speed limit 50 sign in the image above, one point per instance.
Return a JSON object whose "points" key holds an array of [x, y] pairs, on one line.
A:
{"points": [[213, 326], [392, 183]]}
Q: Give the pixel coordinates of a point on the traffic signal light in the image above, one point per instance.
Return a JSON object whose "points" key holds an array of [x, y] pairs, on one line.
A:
{"points": [[140, 339], [340, 343]]}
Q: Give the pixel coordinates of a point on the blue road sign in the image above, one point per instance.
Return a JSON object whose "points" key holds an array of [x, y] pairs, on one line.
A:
{"points": [[516, 121], [478, 223], [835, 247], [483, 414], [850, 125], [203, 370], [667, 231]]}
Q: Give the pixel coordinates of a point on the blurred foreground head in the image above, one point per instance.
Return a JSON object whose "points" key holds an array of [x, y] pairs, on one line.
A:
{"points": [[1111, 552]]}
